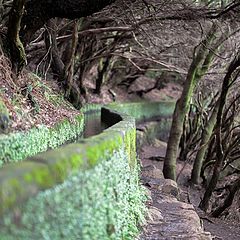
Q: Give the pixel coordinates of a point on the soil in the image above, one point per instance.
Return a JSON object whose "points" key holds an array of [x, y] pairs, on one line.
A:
{"points": [[30, 100]]}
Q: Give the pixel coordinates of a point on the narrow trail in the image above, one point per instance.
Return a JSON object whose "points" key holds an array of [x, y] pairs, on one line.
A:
{"points": [[170, 214], [168, 217]]}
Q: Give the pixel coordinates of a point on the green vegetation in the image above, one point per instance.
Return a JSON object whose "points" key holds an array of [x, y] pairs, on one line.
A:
{"points": [[19, 145], [96, 193], [105, 202], [4, 117]]}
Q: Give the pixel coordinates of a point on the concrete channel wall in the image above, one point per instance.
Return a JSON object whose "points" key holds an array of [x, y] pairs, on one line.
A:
{"points": [[85, 190]]}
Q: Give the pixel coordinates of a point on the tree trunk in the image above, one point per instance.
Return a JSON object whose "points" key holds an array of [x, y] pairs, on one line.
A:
{"points": [[39, 12], [72, 90], [55, 55], [196, 71], [230, 76], [206, 135], [17, 52], [102, 71]]}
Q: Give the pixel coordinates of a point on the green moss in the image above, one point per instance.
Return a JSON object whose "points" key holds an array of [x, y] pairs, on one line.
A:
{"points": [[4, 117], [63, 162], [104, 202], [20, 181], [17, 146]]}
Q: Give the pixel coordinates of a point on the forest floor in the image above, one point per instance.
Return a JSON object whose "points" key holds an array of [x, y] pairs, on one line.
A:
{"points": [[32, 102]]}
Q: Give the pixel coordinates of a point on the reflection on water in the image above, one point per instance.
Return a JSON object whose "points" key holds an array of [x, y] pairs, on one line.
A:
{"points": [[93, 124]]}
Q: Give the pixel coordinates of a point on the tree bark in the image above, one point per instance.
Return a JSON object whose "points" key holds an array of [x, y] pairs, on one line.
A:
{"points": [[101, 72], [197, 69], [17, 52], [72, 90], [206, 135]]}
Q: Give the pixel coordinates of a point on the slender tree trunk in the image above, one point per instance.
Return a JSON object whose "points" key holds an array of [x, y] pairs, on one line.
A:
{"points": [[196, 71], [72, 90], [230, 76], [17, 52], [1, 10], [101, 73], [51, 43], [206, 135]]}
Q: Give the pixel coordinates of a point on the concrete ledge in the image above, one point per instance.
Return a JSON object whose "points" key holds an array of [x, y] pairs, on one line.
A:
{"points": [[142, 111]]}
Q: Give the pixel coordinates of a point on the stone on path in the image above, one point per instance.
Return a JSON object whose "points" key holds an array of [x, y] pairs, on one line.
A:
{"points": [[170, 187]]}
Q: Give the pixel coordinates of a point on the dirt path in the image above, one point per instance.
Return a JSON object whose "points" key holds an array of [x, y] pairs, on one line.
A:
{"points": [[169, 217]]}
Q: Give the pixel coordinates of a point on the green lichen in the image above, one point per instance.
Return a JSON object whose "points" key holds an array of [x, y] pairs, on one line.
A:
{"points": [[101, 145]]}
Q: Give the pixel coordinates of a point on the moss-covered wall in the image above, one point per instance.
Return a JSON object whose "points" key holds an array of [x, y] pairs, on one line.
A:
{"points": [[145, 110], [19, 145], [104, 202], [85, 190], [96, 193]]}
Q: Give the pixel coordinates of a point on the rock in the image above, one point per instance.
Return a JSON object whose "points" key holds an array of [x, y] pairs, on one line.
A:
{"points": [[141, 138], [170, 187], [154, 215], [152, 172], [158, 143], [142, 83], [148, 194]]}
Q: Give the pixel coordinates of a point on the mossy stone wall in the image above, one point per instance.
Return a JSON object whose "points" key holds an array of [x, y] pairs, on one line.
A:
{"points": [[85, 190], [17, 146], [96, 193], [142, 111]]}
